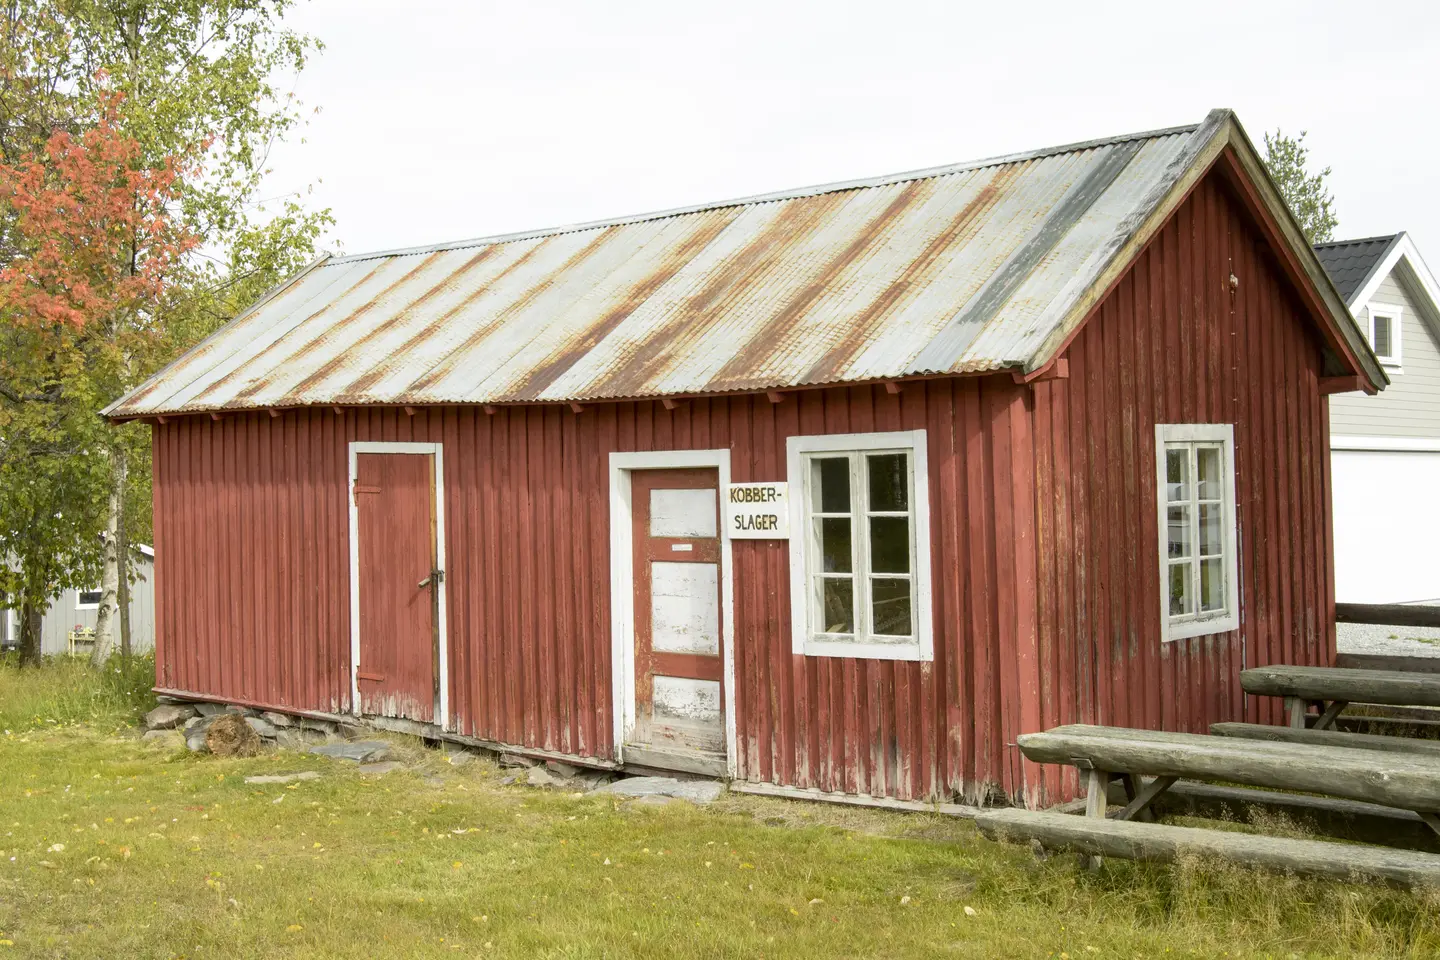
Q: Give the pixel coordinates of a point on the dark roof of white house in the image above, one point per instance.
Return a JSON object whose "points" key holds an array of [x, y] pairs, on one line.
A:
{"points": [[1350, 262]]}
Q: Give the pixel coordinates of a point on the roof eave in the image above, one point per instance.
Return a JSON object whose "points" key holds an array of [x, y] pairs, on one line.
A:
{"points": [[114, 413]]}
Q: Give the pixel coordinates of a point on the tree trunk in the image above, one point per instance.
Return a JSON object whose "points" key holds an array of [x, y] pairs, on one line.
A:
{"points": [[109, 571], [30, 620], [122, 595]]}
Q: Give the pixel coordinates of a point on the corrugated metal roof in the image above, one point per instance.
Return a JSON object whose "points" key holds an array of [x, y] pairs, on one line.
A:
{"points": [[964, 268]]}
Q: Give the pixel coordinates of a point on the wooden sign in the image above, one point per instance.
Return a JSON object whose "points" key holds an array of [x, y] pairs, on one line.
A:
{"points": [[758, 511]]}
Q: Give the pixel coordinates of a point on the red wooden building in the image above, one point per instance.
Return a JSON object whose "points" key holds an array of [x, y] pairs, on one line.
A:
{"points": [[837, 488]]}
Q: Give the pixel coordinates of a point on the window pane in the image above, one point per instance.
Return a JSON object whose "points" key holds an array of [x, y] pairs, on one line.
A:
{"points": [[1177, 474], [1208, 463], [1383, 341], [890, 602], [830, 484], [1212, 585], [889, 485], [890, 544], [837, 605], [1179, 589], [835, 544], [89, 597], [1179, 532], [1211, 515]]}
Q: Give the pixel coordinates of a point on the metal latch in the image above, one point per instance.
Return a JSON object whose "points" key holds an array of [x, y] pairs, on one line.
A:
{"points": [[437, 576]]}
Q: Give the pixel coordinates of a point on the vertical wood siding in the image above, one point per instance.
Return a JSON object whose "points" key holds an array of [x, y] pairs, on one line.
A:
{"points": [[1174, 343], [254, 576], [1044, 545]]}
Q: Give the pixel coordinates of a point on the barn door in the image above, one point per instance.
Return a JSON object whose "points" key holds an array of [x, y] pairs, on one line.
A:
{"points": [[679, 670], [398, 578]]}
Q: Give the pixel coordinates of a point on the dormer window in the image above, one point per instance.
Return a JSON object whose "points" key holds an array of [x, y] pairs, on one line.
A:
{"points": [[1385, 333]]}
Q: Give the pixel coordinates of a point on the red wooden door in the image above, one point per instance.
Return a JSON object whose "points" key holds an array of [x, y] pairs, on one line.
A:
{"points": [[679, 669], [398, 583]]}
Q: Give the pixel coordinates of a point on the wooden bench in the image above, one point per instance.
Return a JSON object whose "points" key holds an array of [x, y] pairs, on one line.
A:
{"points": [[1327, 738], [1404, 781], [1154, 841], [1335, 688]]}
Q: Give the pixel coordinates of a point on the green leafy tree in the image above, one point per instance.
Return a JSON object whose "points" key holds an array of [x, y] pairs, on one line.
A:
{"points": [[1306, 193], [197, 79]]}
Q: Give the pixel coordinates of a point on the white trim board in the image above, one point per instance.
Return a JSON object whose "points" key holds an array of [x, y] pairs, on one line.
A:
{"points": [[622, 588], [1404, 247], [1390, 444], [371, 446]]}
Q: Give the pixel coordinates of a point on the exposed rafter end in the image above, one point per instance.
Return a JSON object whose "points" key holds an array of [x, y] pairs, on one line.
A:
{"points": [[409, 411], [160, 420], [670, 403], [577, 407], [1329, 385], [272, 411], [774, 396], [893, 386], [489, 408], [216, 416], [1055, 370], [339, 410]]}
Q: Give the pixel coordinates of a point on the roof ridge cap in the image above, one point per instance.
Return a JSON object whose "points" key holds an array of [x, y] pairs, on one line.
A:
{"points": [[795, 193]]}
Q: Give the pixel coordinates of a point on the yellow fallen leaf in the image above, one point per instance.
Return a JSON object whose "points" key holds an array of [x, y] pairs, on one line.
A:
{"points": [[294, 928], [456, 865]]}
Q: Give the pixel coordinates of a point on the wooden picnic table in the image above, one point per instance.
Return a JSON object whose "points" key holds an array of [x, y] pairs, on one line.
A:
{"points": [[1401, 780], [1335, 688], [1397, 779]]}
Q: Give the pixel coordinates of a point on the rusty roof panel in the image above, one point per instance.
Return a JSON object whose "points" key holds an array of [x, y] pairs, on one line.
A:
{"points": [[963, 268]]}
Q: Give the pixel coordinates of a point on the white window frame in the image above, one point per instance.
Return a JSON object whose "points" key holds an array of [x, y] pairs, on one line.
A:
{"points": [[1198, 624], [1394, 313], [89, 606], [803, 639]]}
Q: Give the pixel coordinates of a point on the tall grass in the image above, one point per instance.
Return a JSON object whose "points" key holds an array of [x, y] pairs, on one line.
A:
{"points": [[65, 691]]}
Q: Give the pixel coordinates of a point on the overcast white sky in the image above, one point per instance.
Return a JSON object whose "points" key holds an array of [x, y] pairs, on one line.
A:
{"points": [[447, 120]]}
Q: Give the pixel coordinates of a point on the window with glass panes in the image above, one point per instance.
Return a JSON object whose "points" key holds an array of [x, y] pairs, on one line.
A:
{"points": [[1197, 529], [859, 570], [862, 584]]}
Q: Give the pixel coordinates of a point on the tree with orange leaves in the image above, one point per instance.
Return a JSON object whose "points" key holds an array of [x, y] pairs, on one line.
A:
{"points": [[94, 249]]}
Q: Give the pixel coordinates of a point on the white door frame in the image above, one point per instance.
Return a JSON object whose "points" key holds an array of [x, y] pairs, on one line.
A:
{"points": [[622, 586], [369, 446]]}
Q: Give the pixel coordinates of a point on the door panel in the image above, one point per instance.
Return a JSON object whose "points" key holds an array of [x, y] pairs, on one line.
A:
{"points": [[679, 666], [395, 508]]}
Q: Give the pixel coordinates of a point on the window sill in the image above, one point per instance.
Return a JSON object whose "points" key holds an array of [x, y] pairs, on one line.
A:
{"points": [[865, 651], [1189, 629]]}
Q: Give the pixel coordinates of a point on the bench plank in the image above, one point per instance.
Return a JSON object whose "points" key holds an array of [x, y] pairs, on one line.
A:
{"points": [[1336, 683], [1327, 738], [1341, 819], [1409, 782], [1162, 842]]}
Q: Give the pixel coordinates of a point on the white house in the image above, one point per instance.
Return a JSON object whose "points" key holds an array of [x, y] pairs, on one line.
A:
{"points": [[1385, 449], [76, 610]]}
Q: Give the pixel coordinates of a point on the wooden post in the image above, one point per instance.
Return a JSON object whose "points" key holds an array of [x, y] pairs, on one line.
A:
{"points": [[1295, 712], [1097, 798]]}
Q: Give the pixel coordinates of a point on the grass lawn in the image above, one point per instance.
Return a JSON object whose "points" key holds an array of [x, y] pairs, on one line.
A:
{"points": [[114, 848]]}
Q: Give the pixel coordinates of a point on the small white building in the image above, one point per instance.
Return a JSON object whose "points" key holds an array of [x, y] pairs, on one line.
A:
{"points": [[1385, 449], [74, 613]]}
